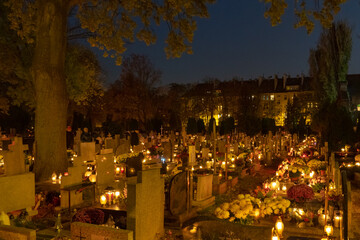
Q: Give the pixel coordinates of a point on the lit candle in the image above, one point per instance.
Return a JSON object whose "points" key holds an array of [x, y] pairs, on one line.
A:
{"points": [[256, 213], [337, 219], [102, 199], [117, 170], [328, 229], [117, 194], [53, 177], [279, 225]]}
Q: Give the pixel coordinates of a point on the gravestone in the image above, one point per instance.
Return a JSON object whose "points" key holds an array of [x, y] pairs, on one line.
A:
{"points": [[105, 169], [110, 143], [138, 148], [197, 145], [17, 192], [117, 140], [221, 146], [87, 151], [14, 158], [134, 165], [205, 153], [167, 150], [145, 204], [204, 197], [16, 233], [192, 157], [86, 231], [70, 197], [16, 185], [122, 149], [177, 194]]}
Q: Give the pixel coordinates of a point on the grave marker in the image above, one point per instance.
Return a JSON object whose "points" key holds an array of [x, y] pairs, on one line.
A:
{"points": [[192, 158], [14, 158], [145, 204]]}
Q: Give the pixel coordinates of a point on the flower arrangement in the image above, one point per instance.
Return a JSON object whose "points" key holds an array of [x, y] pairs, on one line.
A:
{"points": [[300, 193], [240, 210], [316, 164], [262, 193], [122, 157], [89, 215], [276, 206]]}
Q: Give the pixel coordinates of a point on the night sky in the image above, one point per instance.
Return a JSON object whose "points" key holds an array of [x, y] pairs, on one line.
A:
{"points": [[237, 41]]}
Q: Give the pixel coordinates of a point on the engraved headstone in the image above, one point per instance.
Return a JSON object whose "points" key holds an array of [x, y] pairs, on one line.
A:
{"points": [[177, 204]]}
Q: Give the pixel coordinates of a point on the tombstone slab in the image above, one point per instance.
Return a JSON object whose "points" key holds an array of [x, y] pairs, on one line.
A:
{"points": [[17, 192], [145, 204], [14, 159]]}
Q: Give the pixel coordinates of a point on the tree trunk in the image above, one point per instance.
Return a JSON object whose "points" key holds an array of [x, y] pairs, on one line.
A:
{"points": [[50, 88]]}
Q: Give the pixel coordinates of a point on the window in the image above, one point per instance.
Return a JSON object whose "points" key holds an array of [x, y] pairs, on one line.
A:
{"points": [[272, 97], [285, 97]]}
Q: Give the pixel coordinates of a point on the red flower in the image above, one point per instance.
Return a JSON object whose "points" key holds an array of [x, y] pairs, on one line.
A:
{"points": [[300, 193]]}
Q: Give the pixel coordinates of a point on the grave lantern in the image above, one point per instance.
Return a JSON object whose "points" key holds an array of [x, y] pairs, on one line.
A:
{"points": [[103, 200], [337, 219], [256, 213], [279, 225], [117, 194], [53, 177], [274, 235], [88, 173], [328, 229], [110, 195], [92, 178]]}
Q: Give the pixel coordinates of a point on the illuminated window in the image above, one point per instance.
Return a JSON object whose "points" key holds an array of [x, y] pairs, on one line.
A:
{"points": [[358, 107], [272, 97]]}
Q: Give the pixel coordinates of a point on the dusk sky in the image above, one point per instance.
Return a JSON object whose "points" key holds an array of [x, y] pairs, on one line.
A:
{"points": [[237, 41]]}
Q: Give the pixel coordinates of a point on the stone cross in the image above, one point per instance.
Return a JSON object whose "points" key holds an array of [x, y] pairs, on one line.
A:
{"points": [[14, 159]]}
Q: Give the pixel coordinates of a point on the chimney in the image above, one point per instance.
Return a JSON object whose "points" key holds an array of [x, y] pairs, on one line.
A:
{"points": [[284, 81], [260, 79], [275, 82]]}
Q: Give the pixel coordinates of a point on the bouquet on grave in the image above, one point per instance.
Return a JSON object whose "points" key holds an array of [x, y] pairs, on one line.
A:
{"points": [[89, 215], [300, 193]]}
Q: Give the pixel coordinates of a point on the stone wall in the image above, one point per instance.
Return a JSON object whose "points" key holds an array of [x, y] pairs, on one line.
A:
{"points": [[85, 231]]}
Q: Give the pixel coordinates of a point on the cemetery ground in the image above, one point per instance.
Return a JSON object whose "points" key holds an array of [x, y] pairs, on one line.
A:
{"points": [[159, 190]]}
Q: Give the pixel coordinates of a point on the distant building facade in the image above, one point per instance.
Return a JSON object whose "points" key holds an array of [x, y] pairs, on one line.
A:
{"points": [[269, 97]]}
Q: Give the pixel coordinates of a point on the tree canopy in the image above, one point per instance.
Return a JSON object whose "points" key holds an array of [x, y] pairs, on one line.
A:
{"points": [[307, 12]]}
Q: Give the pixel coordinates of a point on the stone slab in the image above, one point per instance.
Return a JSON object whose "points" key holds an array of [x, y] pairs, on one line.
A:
{"points": [[145, 205], [105, 169], [16, 233], [20, 189], [205, 203], [204, 187], [87, 151], [85, 231]]}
